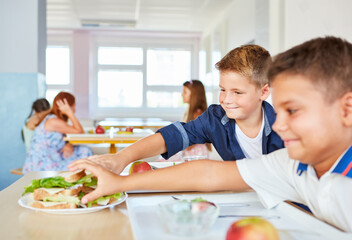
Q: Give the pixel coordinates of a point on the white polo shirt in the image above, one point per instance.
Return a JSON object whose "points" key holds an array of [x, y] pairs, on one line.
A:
{"points": [[276, 178]]}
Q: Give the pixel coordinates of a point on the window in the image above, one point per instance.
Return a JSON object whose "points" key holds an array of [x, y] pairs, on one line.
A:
{"points": [[120, 56], [168, 67], [58, 70], [141, 79], [120, 88]]}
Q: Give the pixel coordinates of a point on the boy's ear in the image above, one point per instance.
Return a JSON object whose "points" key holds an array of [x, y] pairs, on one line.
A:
{"points": [[346, 109], [265, 92]]}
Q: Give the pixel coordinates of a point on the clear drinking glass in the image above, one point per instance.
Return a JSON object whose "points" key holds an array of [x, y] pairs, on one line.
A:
{"points": [[187, 158], [187, 218], [196, 152]]}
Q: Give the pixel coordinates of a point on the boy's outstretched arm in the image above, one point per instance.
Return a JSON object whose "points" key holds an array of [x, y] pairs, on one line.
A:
{"points": [[200, 175], [147, 147]]}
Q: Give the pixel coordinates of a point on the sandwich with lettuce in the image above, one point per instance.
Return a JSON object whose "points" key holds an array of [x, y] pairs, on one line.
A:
{"points": [[65, 191]]}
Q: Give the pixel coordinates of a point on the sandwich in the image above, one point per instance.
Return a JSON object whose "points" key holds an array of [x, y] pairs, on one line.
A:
{"points": [[65, 191]]}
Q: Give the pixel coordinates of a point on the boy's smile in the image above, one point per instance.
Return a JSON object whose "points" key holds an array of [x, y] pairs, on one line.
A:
{"points": [[238, 97], [308, 124]]}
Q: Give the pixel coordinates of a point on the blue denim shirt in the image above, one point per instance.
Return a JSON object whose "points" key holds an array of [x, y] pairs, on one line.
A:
{"points": [[213, 126]]}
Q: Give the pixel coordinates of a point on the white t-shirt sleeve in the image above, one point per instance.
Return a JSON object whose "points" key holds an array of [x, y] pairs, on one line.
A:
{"points": [[271, 176]]}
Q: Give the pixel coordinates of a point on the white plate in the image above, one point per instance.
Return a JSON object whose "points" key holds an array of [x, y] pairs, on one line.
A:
{"points": [[27, 199]]}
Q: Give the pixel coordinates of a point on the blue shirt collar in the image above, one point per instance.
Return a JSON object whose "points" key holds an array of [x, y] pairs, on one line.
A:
{"points": [[267, 126], [301, 168], [344, 167]]}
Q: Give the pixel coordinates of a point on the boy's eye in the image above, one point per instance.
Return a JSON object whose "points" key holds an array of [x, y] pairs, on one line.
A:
{"points": [[222, 90], [237, 92], [291, 111]]}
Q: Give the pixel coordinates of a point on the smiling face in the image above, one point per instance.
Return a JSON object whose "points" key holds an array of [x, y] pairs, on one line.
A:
{"points": [[309, 125], [239, 98]]}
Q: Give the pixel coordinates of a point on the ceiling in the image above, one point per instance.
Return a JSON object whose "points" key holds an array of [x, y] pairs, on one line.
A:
{"points": [[170, 15]]}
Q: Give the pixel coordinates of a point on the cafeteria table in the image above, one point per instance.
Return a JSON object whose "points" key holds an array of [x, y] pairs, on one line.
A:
{"points": [[136, 217], [141, 123], [112, 139]]}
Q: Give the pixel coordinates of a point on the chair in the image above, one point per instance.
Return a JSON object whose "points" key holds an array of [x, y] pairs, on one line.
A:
{"points": [[17, 171]]}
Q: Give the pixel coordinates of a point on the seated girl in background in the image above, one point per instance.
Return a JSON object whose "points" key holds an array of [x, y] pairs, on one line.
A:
{"points": [[40, 108], [48, 150], [194, 95]]}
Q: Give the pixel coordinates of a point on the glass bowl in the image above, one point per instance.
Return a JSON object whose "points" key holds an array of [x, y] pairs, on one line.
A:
{"points": [[187, 218]]}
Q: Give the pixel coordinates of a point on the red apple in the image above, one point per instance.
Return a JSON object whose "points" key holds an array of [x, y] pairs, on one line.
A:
{"points": [[252, 228], [140, 166], [129, 129], [99, 130]]}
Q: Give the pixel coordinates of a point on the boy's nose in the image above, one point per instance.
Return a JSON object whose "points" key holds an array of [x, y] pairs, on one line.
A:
{"points": [[279, 125], [226, 98]]}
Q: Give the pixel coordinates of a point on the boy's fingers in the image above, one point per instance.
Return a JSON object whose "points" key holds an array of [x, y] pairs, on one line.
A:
{"points": [[84, 164], [92, 158], [90, 197], [83, 160], [72, 166]]}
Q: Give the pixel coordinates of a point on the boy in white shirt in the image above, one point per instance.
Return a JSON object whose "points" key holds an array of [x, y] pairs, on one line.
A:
{"points": [[312, 94]]}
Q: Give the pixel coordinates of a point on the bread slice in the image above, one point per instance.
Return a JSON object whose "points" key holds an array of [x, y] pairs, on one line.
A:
{"points": [[41, 193], [53, 205], [86, 189], [73, 176]]}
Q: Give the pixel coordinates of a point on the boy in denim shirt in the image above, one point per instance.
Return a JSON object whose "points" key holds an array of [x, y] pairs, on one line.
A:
{"points": [[240, 127]]}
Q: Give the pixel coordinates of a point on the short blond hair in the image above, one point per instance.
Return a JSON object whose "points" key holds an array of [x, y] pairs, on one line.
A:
{"points": [[251, 61]]}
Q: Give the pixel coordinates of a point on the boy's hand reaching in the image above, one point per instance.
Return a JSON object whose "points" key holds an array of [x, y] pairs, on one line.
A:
{"points": [[106, 179], [108, 161]]}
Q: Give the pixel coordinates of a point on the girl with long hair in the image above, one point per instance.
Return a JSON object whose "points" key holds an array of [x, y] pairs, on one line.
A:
{"points": [[193, 94]]}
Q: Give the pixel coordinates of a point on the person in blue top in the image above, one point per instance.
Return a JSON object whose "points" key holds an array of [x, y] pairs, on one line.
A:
{"points": [[240, 127]]}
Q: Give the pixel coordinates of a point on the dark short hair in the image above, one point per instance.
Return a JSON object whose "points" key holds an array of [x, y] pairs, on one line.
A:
{"points": [[251, 61], [40, 105], [326, 62]]}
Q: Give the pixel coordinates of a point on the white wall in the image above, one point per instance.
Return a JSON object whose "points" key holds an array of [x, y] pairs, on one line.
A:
{"points": [[280, 24], [240, 24], [309, 19], [23, 35]]}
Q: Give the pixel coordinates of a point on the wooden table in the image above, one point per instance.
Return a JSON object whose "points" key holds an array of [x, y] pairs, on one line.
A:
{"points": [[112, 139], [141, 123], [21, 223], [118, 222]]}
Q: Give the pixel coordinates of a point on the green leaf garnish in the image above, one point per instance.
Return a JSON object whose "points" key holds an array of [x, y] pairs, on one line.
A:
{"points": [[59, 181], [116, 196]]}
